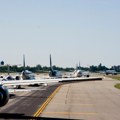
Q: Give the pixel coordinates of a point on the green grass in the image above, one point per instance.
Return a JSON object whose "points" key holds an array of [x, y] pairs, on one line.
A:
{"points": [[115, 77], [117, 85]]}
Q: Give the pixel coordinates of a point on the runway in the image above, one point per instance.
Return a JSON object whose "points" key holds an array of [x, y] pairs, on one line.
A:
{"points": [[87, 100], [22, 105]]}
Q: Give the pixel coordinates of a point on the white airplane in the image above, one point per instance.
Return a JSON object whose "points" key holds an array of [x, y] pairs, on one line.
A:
{"points": [[9, 76], [79, 73], [54, 73], [26, 74]]}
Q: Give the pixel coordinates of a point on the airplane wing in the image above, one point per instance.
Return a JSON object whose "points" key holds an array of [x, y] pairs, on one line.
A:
{"points": [[46, 81], [70, 79], [27, 82]]}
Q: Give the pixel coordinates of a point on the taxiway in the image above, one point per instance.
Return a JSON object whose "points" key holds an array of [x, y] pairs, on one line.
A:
{"points": [[87, 100]]}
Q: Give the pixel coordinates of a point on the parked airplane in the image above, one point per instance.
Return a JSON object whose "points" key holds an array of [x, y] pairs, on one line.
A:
{"points": [[113, 72], [9, 76], [26, 74], [79, 73], [54, 73]]}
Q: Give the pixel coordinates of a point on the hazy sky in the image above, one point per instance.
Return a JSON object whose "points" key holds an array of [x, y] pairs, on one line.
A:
{"points": [[70, 30]]}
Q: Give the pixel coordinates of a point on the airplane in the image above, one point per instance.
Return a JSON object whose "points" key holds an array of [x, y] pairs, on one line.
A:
{"points": [[52, 72], [9, 76], [79, 73], [26, 74], [113, 72]]}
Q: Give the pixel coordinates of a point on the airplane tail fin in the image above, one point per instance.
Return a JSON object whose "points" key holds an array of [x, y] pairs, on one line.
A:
{"points": [[8, 69], [24, 62], [79, 66], [76, 66], [51, 63]]}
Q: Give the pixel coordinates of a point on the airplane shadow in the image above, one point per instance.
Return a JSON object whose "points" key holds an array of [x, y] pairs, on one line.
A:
{"points": [[12, 96], [15, 116]]}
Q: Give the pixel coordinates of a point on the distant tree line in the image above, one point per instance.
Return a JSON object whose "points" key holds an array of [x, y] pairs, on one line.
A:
{"points": [[36, 69], [100, 67], [40, 69]]}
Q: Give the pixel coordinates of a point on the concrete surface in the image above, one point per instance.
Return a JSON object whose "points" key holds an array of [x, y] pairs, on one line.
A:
{"points": [[90, 100]]}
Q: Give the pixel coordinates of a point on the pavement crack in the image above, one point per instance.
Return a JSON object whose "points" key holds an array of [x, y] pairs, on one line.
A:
{"points": [[67, 94]]}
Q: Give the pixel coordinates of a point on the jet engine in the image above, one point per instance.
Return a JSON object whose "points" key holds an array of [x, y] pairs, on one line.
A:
{"points": [[4, 95], [52, 73]]}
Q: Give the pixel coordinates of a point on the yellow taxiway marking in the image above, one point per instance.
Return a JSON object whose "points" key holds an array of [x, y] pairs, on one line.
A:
{"points": [[39, 111], [72, 113]]}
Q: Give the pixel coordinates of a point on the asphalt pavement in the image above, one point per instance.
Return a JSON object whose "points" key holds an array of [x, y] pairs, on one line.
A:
{"points": [[23, 105]]}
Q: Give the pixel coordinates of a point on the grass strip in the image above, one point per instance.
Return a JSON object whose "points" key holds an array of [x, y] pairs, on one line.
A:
{"points": [[117, 85]]}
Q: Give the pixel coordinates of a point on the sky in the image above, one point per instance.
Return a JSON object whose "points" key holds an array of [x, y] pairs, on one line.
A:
{"points": [[72, 31]]}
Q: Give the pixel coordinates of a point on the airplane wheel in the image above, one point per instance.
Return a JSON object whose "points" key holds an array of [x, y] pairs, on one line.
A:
{"points": [[17, 77], [88, 75], [18, 86], [4, 96]]}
